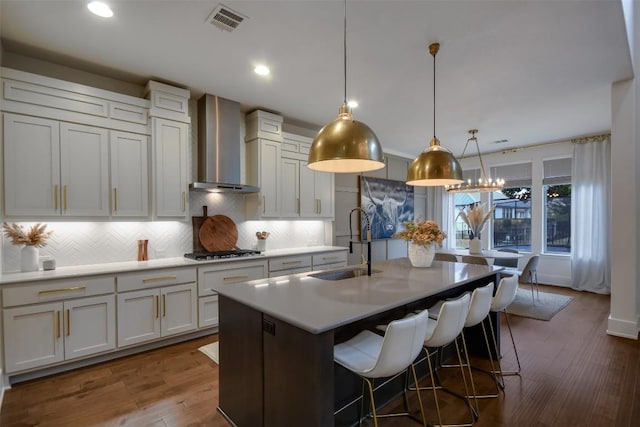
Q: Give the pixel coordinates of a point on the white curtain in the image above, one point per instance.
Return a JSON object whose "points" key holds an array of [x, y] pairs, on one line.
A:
{"points": [[591, 214]]}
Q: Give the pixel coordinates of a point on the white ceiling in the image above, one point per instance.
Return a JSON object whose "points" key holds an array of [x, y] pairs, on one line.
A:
{"points": [[528, 71]]}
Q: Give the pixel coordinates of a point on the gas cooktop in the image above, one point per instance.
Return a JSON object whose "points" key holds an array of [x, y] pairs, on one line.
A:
{"points": [[205, 256]]}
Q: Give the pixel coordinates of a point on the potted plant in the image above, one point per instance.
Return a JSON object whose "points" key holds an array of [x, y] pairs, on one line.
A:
{"points": [[423, 236], [33, 239]]}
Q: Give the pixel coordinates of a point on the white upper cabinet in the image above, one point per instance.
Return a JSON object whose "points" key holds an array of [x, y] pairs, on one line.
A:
{"points": [[312, 192], [54, 169], [84, 170], [170, 142], [264, 140], [129, 174], [31, 166], [170, 124]]}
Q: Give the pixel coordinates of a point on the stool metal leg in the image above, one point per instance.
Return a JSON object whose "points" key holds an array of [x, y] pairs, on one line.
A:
{"points": [[495, 343]]}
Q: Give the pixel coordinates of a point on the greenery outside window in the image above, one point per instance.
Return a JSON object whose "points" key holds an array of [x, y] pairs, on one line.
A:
{"points": [[557, 212], [512, 217]]}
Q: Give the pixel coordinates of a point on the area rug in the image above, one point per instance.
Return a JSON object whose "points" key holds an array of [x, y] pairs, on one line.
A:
{"points": [[547, 305], [211, 350]]}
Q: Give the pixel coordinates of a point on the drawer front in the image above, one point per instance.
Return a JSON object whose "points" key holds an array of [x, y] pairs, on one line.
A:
{"points": [[155, 278], [290, 271], [289, 263], [340, 264], [57, 290], [210, 276], [329, 258]]}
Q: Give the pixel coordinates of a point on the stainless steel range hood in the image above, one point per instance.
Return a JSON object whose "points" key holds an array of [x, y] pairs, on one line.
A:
{"points": [[219, 147]]}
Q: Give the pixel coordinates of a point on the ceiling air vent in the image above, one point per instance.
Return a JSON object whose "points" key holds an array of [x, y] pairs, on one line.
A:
{"points": [[225, 18]]}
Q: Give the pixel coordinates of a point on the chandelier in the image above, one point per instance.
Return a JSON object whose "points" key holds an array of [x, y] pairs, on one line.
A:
{"points": [[485, 183]]}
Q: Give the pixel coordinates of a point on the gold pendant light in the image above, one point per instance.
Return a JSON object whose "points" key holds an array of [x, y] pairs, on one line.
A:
{"points": [[485, 183], [435, 166], [345, 145]]}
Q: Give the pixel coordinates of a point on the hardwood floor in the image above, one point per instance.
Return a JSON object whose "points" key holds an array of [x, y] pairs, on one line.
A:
{"points": [[573, 374]]}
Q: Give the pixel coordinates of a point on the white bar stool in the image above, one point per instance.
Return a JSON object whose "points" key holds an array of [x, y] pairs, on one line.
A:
{"points": [[479, 308], [443, 331], [371, 356], [505, 294]]}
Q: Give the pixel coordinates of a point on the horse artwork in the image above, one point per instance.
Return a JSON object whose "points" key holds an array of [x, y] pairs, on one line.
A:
{"points": [[388, 203]]}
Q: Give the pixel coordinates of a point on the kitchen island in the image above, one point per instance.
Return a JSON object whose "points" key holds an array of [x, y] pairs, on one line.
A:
{"points": [[277, 335]]}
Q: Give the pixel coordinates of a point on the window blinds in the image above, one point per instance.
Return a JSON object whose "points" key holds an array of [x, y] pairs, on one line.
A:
{"points": [[557, 171], [518, 175]]}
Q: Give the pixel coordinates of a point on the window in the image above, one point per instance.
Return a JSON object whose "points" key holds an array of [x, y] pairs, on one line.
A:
{"points": [[512, 216], [557, 212], [462, 200]]}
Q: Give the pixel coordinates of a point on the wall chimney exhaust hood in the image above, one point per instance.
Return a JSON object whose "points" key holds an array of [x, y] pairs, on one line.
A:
{"points": [[219, 147]]}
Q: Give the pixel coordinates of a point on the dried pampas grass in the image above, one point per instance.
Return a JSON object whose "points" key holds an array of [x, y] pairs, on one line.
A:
{"points": [[36, 236]]}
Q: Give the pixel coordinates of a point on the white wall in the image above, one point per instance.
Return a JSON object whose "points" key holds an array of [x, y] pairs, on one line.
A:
{"points": [[624, 318]]}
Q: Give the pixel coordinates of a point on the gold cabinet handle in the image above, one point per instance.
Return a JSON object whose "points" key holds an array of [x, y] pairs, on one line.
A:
{"points": [[56, 333], [69, 289], [157, 307], [298, 207], [184, 201], [55, 197], [115, 199], [159, 279], [291, 262], [67, 324], [64, 198], [264, 204], [164, 305], [329, 258], [319, 206], [233, 278]]}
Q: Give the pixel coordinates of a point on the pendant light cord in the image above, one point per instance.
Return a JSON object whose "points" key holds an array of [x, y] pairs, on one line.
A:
{"points": [[345, 51], [434, 95]]}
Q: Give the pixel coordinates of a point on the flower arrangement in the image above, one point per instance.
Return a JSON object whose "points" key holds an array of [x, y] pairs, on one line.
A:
{"points": [[37, 235], [476, 216], [421, 232]]}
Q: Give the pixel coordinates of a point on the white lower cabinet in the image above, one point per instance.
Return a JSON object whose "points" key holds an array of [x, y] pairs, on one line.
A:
{"points": [[149, 314], [58, 331], [208, 276]]}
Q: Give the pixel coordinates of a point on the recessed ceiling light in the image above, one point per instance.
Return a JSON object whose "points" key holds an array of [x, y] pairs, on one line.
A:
{"points": [[100, 9], [353, 104], [262, 70]]}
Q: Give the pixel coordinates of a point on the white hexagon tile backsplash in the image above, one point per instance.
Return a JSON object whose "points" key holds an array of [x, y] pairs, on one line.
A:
{"points": [[78, 243]]}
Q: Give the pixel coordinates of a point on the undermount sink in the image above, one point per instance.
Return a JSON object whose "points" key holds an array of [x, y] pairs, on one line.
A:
{"points": [[342, 274]]}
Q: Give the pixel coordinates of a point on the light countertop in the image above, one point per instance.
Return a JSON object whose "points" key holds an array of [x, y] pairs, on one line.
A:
{"points": [[132, 266], [317, 305]]}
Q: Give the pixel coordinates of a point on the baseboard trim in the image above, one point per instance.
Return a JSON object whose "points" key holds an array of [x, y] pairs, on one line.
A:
{"points": [[623, 328]]}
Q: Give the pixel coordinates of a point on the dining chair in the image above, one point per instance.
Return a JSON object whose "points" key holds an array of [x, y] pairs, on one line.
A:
{"points": [[445, 257], [507, 262], [372, 356], [470, 259], [528, 275]]}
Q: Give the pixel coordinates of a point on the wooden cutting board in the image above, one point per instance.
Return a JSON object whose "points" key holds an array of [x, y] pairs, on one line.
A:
{"points": [[218, 233]]}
